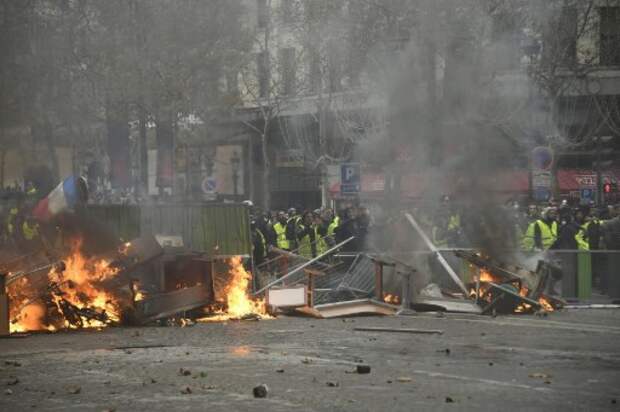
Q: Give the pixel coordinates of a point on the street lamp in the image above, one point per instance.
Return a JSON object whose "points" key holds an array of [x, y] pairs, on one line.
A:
{"points": [[235, 163]]}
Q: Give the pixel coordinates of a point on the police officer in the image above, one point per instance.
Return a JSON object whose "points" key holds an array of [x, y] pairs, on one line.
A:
{"points": [[279, 228], [30, 234], [321, 225], [259, 244], [307, 236], [334, 223], [291, 228], [542, 233]]}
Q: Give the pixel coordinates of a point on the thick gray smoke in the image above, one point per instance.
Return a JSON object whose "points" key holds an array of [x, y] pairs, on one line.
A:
{"points": [[458, 96]]}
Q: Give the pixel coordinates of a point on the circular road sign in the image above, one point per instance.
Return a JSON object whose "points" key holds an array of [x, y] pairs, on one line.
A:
{"points": [[542, 158]]}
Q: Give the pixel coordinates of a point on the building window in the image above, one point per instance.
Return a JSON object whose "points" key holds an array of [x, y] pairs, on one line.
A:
{"points": [[287, 71], [610, 36], [287, 11], [262, 13], [232, 82], [568, 35], [334, 61], [263, 73], [314, 72]]}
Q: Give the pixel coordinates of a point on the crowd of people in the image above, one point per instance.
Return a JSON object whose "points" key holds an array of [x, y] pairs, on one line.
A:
{"points": [[566, 227], [309, 233], [19, 228], [535, 227]]}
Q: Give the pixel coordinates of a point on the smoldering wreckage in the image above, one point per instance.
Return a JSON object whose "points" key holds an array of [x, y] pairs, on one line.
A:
{"points": [[153, 279]]}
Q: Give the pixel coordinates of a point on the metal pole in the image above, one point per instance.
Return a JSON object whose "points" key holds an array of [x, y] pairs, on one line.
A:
{"points": [[433, 249]]}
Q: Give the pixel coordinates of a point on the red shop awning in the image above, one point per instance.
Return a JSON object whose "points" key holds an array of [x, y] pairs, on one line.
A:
{"points": [[415, 185], [575, 179]]}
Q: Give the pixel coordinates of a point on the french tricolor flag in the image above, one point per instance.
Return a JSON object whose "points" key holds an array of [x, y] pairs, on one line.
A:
{"points": [[68, 194]]}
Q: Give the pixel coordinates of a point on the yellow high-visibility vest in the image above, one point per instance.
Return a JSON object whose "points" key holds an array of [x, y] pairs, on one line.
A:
{"points": [[331, 229], [281, 240], [582, 238], [30, 232], [305, 244], [10, 224], [548, 235]]}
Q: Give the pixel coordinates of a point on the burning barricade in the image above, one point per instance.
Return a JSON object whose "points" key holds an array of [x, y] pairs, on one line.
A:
{"points": [[81, 291], [509, 289]]}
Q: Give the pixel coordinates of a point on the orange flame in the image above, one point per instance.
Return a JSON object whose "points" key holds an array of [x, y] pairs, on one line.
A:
{"points": [[392, 299], [78, 283], [238, 303], [546, 305], [30, 318], [486, 276]]}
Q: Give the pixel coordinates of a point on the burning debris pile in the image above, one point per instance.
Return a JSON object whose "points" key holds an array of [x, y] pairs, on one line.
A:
{"points": [[506, 289], [234, 301], [81, 291], [73, 293]]}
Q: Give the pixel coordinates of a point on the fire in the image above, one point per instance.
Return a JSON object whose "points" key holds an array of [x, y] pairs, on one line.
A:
{"points": [[389, 298], [546, 305], [238, 303], [486, 276], [78, 285], [31, 318], [72, 289]]}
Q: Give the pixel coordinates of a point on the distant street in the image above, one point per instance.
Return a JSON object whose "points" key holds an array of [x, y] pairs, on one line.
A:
{"points": [[565, 361]]}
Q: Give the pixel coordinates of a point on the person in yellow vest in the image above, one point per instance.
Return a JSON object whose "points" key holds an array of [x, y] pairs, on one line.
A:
{"points": [[454, 229], [321, 226], [333, 225], [307, 236], [31, 190], [11, 221], [291, 228], [531, 216], [259, 244], [30, 229], [281, 241], [582, 234], [542, 233], [30, 235], [439, 231]]}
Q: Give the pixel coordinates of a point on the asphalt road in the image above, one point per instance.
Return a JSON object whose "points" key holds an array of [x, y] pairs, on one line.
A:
{"points": [[566, 361]]}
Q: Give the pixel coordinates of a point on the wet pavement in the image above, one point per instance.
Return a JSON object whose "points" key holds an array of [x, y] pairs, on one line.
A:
{"points": [[565, 361]]}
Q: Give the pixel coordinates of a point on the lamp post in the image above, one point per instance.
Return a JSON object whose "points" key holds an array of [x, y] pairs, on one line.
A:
{"points": [[235, 163]]}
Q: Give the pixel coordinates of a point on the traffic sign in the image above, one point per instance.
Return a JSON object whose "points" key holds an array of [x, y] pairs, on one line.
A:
{"points": [[209, 185], [350, 178], [542, 158], [587, 194]]}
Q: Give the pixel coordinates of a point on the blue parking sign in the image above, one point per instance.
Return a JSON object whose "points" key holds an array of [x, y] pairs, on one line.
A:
{"points": [[587, 195], [350, 178]]}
